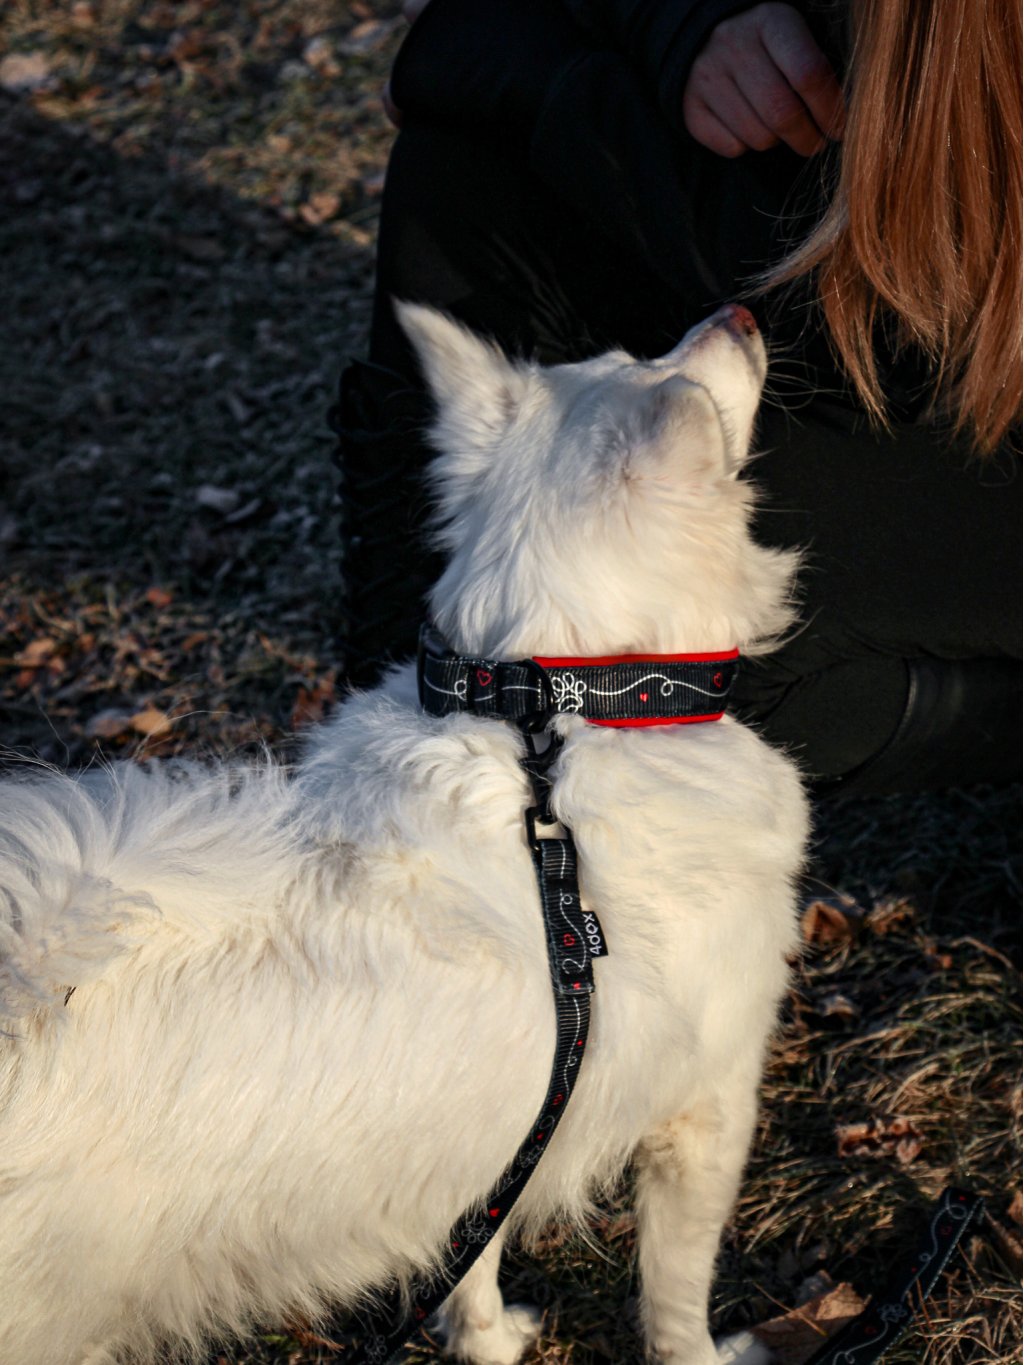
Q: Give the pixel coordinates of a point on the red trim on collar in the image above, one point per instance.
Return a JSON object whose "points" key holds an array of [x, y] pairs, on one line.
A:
{"points": [[639, 722], [598, 661]]}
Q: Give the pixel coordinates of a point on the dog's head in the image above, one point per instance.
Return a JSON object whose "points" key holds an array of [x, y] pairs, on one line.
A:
{"points": [[596, 508]]}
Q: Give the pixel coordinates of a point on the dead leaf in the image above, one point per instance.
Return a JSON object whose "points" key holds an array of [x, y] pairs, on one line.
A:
{"points": [[109, 723], [221, 500], [937, 961], [186, 44], [39, 655], [306, 1337], [319, 55], [1014, 1209], [151, 722], [795, 1336], [880, 1138], [369, 36], [824, 922], [159, 597], [21, 72], [37, 652], [320, 207], [888, 915], [311, 701]]}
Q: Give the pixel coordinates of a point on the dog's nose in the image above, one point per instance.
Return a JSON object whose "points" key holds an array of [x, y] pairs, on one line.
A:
{"points": [[739, 320]]}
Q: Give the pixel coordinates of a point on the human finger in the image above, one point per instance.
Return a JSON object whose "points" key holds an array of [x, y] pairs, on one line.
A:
{"points": [[792, 49], [778, 106], [714, 89], [707, 129]]}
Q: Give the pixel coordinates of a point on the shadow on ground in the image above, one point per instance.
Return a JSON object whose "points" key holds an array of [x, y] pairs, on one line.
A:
{"points": [[168, 358]]}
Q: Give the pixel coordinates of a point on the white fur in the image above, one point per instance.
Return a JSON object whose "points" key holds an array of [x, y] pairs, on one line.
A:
{"points": [[311, 1018]]}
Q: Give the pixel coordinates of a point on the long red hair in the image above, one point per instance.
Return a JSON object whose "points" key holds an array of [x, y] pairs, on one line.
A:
{"points": [[924, 229]]}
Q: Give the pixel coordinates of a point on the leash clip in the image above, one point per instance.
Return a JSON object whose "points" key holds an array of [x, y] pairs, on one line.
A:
{"points": [[532, 815], [533, 722]]}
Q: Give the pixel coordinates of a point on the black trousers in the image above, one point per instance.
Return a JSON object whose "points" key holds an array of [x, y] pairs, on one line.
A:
{"points": [[905, 670]]}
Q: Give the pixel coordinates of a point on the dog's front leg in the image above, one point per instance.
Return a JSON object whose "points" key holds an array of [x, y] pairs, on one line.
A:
{"points": [[477, 1326], [689, 1172]]}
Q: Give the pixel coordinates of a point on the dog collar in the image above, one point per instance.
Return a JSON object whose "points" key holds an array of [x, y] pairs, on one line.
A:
{"points": [[619, 690]]}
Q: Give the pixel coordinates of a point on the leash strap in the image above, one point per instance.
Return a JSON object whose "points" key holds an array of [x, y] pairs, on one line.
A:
{"points": [[890, 1312], [657, 689], [574, 939]]}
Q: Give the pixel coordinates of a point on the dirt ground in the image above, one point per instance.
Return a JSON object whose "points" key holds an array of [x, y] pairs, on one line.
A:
{"points": [[189, 193]]}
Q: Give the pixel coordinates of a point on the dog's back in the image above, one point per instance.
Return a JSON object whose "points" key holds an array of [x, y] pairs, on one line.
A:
{"points": [[311, 1018]]}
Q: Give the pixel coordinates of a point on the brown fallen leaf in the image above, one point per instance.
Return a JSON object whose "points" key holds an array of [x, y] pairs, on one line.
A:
{"points": [[368, 36], [185, 44], [888, 915], [319, 55], [1014, 1209], [21, 72], [311, 701], [109, 723], [825, 922], [320, 207], [151, 722], [880, 1138], [159, 597], [795, 1336], [305, 1336], [37, 652]]}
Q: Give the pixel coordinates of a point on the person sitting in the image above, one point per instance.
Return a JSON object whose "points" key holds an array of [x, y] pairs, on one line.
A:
{"points": [[572, 176]]}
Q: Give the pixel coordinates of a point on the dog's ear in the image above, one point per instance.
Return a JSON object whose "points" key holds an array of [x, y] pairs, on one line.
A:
{"points": [[675, 437], [476, 388]]}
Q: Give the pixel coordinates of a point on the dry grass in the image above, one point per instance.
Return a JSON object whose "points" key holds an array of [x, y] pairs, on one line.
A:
{"points": [[189, 196]]}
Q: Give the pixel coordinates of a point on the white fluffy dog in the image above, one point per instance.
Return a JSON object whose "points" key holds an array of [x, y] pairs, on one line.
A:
{"points": [[266, 1035]]}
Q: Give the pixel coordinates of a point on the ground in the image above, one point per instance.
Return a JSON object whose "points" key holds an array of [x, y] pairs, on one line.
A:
{"points": [[188, 202]]}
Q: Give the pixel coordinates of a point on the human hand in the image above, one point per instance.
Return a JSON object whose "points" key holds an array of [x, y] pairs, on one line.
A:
{"points": [[761, 79]]}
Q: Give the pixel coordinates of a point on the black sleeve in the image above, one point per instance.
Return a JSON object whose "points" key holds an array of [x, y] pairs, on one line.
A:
{"points": [[579, 116], [497, 62], [468, 63], [659, 38], [589, 127]]}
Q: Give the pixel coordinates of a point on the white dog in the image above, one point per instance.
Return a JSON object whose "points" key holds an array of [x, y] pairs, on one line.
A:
{"points": [[266, 1035]]}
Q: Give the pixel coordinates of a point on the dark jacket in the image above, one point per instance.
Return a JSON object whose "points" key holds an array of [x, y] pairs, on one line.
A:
{"points": [[589, 94]]}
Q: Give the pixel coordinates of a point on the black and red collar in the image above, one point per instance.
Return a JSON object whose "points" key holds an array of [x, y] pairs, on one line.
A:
{"points": [[618, 689]]}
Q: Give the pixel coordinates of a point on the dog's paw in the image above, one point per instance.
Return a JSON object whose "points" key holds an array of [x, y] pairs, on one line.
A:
{"points": [[501, 1342], [742, 1348]]}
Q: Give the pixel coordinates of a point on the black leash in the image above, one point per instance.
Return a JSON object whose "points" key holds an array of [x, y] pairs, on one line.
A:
{"points": [[890, 1312], [574, 939], [613, 691]]}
